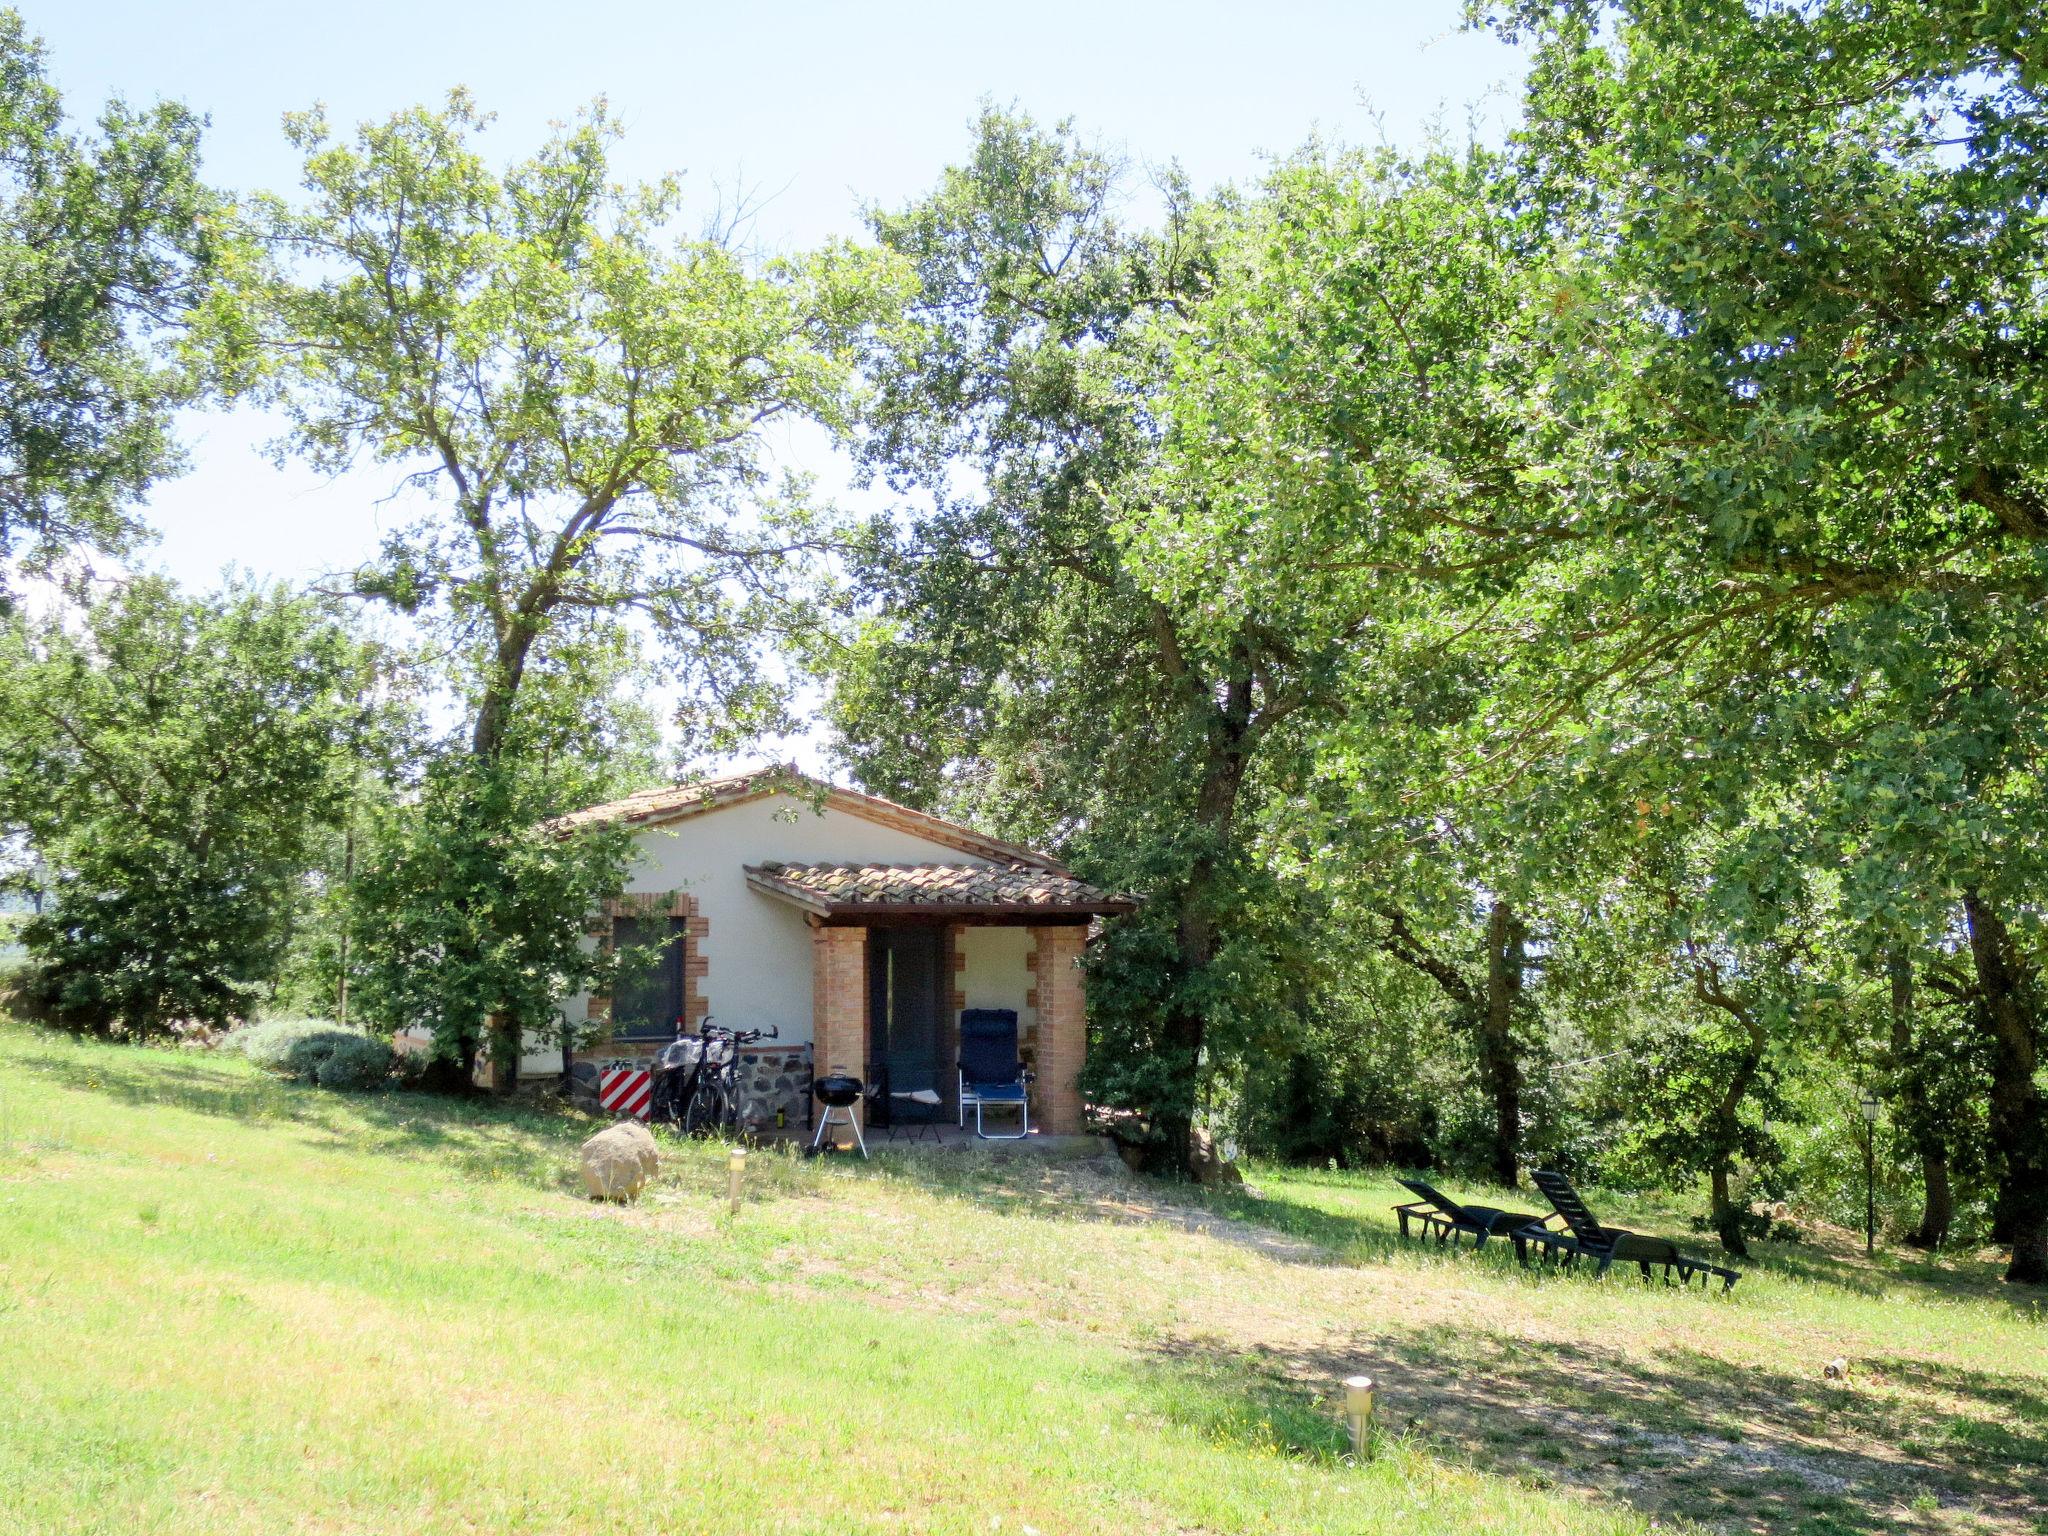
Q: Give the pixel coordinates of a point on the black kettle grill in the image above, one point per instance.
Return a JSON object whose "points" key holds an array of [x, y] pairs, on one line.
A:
{"points": [[838, 1093]]}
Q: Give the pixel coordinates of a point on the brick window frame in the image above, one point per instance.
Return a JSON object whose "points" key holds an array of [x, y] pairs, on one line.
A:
{"points": [[696, 965]]}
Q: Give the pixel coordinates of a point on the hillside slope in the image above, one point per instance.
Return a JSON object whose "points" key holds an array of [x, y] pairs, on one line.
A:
{"points": [[232, 1305]]}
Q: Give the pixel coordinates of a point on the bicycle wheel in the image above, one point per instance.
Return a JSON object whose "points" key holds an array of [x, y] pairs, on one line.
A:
{"points": [[706, 1112]]}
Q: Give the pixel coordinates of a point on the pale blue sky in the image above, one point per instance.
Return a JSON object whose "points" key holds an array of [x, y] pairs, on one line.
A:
{"points": [[822, 105]]}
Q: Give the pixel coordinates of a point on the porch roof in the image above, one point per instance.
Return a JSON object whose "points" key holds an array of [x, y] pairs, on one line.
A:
{"points": [[986, 891]]}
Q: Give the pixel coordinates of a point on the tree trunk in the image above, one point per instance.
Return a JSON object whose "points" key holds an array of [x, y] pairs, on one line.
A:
{"points": [[1726, 1218], [1939, 1211], [348, 879], [2018, 1120], [1499, 1068], [494, 710], [1723, 1211], [1938, 1208], [1186, 1025], [1724, 1125]]}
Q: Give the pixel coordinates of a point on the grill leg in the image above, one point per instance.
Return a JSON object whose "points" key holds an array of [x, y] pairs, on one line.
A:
{"points": [[847, 1119]]}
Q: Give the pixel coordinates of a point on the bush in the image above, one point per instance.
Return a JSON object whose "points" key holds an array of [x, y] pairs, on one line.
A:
{"points": [[316, 1051], [355, 1064]]}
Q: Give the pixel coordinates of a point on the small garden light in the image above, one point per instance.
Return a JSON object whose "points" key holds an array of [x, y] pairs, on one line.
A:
{"points": [[1358, 1412], [735, 1170]]}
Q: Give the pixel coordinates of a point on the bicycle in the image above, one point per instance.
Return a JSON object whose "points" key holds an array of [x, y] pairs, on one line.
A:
{"points": [[677, 1066], [707, 1100]]}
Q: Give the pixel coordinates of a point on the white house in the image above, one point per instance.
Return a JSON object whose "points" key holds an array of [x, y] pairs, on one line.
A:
{"points": [[857, 928]]}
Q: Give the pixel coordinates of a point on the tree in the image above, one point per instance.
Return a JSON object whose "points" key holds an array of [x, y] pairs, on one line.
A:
{"points": [[583, 395], [1934, 1056], [113, 241], [1130, 407], [1802, 364], [170, 762], [1015, 652], [467, 913], [1342, 424], [1486, 1007]]}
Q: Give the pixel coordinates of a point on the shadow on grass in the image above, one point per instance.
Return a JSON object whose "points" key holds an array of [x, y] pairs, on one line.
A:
{"points": [[1086, 1185], [532, 1142], [1365, 1236], [1903, 1446], [521, 1143]]}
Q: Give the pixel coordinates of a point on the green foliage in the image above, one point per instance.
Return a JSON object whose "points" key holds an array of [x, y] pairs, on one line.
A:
{"points": [[353, 1066], [168, 761], [112, 240], [1022, 632], [584, 393], [1808, 494], [468, 907], [1365, 1080], [316, 1051]]}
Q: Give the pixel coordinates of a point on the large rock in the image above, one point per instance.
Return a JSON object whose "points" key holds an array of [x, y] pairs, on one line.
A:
{"points": [[617, 1163]]}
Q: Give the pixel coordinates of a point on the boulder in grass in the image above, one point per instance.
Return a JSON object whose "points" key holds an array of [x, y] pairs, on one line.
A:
{"points": [[618, 1162]]}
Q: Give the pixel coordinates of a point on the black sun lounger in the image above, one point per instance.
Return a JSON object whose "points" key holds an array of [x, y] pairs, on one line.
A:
{"points": [[1441, 1217], [1583, 1237]]}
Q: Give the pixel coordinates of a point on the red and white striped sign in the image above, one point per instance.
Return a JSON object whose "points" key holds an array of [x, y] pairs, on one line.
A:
{"points": [[626, 1090]]}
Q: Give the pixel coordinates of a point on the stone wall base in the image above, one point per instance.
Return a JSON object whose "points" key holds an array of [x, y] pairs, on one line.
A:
{"points": [[774, 1083]]}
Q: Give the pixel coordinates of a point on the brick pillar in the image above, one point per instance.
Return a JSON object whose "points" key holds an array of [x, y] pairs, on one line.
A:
{"points": [[1062, 1027], [839, 1003]]}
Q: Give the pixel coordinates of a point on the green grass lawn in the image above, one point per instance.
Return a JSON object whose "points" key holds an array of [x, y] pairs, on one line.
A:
{"points": [[227, 1304]]}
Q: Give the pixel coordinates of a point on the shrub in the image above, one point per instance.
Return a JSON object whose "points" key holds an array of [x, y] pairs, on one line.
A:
{"points": [[355, 1064], [316, 1051]]}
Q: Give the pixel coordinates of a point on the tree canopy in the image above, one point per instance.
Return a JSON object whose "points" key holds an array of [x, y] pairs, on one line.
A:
{"points": [[112, 240], [583, 394], [169, 763]]}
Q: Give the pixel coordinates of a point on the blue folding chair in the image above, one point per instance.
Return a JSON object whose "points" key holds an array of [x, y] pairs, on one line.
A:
{"points": [[990, 1070]]}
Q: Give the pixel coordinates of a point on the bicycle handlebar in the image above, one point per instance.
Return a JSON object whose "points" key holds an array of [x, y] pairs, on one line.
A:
{"points": [[708, 1030]]}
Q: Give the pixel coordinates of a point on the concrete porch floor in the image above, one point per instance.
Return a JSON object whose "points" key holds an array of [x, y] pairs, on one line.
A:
{"points": [[947, 1136], [947, 1133]]}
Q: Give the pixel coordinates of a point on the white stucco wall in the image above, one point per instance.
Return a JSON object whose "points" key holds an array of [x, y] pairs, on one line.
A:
{"points": [[996, 975], [759, 948]]}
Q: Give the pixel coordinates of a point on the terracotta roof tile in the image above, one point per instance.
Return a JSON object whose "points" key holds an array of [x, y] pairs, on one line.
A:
{"points": [[1020, 888]]}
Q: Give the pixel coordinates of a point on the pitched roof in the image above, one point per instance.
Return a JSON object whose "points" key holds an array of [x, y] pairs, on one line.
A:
{"points": [[673, 802], [838, 890]]}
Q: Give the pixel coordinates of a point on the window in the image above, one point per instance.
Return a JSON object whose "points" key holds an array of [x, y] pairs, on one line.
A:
{"points": [[649, 997]]}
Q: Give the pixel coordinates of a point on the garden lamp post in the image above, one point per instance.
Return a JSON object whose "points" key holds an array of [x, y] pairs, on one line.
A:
{"points": [[1869, 1107], [1358, 1392], [735, 1171]]}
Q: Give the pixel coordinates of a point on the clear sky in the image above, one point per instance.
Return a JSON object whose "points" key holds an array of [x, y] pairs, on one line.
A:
{"points": [[821, 105]]}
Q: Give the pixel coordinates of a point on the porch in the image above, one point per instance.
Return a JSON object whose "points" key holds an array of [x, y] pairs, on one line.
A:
{"points": [[899, 951]]}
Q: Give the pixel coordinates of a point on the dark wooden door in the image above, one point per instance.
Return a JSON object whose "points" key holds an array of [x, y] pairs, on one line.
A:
{"points": [[903, 1005]]}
